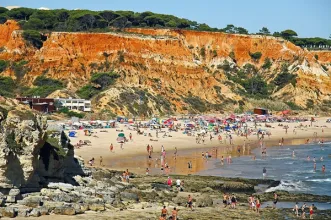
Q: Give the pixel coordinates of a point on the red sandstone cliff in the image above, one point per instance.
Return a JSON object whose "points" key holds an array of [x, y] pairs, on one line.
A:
{"points": [[166, 62]]}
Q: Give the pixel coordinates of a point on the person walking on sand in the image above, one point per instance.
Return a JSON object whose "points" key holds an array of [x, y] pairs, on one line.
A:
{"points": [[225, 200], [258, 205], [190, 202], [311, 211], [101, 164], [175, 153], [111, 148], [233, 201], [275, 200]]}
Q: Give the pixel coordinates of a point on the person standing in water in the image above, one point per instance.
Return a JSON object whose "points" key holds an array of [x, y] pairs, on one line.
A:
{"points": [[323, 169], [264, 172], [293, 154]]}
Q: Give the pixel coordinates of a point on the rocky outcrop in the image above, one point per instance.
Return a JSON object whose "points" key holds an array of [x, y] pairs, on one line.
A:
{"points": [[31, 157], [22, 135]]}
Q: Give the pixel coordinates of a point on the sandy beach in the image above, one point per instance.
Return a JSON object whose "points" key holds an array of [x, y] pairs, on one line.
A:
{"points": [[133, 156]]}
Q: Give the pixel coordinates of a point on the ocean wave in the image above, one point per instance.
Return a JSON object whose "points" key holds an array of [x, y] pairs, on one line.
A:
{"points": [[288, 185], [281, 158], [320, 180]]}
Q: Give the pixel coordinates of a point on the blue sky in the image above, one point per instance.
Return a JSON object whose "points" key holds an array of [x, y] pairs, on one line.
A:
{"points": [[309, 18]]}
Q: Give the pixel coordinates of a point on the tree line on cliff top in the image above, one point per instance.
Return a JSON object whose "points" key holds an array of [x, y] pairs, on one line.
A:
{"points": [[34, 20]]}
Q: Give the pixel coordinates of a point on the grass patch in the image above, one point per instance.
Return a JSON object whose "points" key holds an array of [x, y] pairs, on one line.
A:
{"points": [[71, 113]]}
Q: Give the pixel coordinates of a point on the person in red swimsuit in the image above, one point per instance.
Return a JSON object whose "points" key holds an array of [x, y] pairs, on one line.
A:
{"points": [[311, 211]]}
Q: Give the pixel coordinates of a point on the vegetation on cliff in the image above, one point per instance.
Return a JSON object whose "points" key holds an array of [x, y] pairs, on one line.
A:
{"points": [[43, 87], [34, 20], [98, 83]]}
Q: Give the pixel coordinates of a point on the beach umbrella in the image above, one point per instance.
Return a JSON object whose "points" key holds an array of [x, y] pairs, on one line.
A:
{"points": [[121, 135]]}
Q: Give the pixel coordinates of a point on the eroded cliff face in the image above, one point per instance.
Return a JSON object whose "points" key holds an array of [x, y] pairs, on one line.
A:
{"points": [[171, 64], [22, 135], [31, 157]]}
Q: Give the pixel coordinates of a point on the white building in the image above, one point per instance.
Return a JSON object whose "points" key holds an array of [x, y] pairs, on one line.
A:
{"points": [[74, 104]]}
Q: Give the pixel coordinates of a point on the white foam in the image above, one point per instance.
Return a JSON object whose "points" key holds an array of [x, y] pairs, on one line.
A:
{"points": [[320, 180], [288, 186]]}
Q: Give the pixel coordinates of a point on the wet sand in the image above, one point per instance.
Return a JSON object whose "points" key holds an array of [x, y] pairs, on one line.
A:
{"points": [[134, 156]]}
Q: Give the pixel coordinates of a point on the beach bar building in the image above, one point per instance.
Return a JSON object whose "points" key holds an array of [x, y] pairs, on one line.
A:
{"points": [[261, 111], [45, 105]]}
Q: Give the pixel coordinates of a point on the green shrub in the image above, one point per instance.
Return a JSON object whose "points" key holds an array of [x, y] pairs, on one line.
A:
{"points": [[104, 79], [214, 53], [256, 55], [3, 65], [203, 52], [34, 38], [293, 106], [88, 91], [20, 69], [44, 87], [316, 56], [324, 67], [7, 86], [44, 81], [272, 105], [71, 113], [284, 78], [196, 103], [310, 104], [267, 63], [120, 55], [42, 91], [232, 55]]}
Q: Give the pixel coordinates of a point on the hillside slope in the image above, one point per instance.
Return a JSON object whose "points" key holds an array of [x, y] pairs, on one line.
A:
{"points": [[163, 71]]}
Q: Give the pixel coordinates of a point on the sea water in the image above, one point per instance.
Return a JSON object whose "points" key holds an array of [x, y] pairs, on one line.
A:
{"points": [[296, 174]]}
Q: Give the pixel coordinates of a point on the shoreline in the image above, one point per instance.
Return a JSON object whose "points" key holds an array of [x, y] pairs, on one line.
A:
{"points": [[137, 161], [134, 155]]}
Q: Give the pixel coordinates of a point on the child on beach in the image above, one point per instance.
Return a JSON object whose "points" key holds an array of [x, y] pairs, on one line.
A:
{"points": [[111, 148]]}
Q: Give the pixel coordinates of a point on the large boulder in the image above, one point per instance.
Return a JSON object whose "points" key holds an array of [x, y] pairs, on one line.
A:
{"points": [[129, 196], [32, 201], [8, 212], [64, 210]]}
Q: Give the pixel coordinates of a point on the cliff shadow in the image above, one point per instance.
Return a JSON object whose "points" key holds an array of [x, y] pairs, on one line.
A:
{"points": [[14, 172], [57, 162]]}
